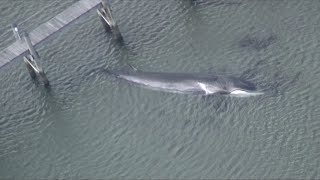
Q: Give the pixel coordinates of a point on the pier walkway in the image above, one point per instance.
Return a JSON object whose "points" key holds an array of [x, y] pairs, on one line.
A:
{"points": [[47, 29]]}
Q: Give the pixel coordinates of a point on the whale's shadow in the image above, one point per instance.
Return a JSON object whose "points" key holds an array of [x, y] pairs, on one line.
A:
{"points": [[257, 43], [215, 3]]}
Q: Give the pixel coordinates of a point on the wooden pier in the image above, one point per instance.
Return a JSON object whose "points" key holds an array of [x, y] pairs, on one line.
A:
{"points": [[47, 29]]}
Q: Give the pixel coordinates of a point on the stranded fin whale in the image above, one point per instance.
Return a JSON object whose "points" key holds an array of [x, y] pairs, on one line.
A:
{"points": [[189, 83]]}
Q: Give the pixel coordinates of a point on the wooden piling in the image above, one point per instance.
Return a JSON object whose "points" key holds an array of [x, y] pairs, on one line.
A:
{"points": [[16, 32], [109, 24], [32, 50], [31, 71], [44, 78], [102, 15], [31, 62]]}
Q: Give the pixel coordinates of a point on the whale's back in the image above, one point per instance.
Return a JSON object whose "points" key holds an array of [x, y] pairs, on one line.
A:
{"points": [[187, 83]]}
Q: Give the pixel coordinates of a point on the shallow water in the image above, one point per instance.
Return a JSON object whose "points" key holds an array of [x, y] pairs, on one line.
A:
{"points": [[91, 125]]}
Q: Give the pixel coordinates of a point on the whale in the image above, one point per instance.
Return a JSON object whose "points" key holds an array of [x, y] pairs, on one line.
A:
{"points": [[189, 83]]}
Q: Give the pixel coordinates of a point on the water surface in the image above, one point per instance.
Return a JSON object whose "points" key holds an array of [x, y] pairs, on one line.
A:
{"points": [[89, 125]]}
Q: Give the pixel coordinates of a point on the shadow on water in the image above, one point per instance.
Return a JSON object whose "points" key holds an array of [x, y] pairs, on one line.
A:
{"points": [[215, 3], [257, 43]]}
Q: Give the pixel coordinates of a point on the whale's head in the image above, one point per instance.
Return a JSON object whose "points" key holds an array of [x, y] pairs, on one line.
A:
{"points": [[242, 88], [229, 86]]}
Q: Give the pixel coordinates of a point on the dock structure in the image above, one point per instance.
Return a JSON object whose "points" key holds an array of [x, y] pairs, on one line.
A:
{"points": [[47, 29]]}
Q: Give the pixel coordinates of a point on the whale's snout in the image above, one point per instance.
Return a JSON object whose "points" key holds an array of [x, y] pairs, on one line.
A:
{"points": [[244, 93], [243, 88]]}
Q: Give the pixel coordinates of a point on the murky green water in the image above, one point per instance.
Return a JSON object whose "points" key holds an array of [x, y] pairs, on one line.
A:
{"points": [[89, 125]]}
